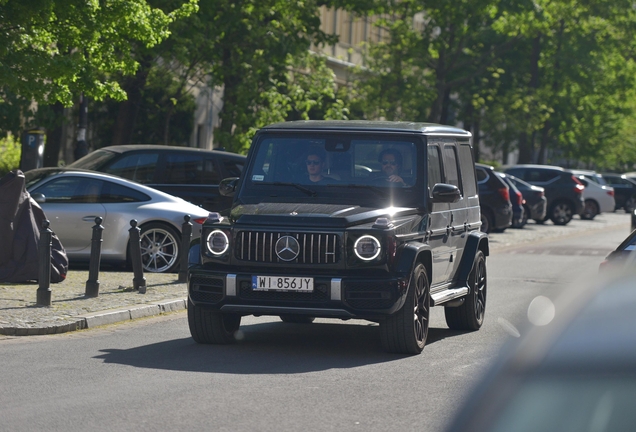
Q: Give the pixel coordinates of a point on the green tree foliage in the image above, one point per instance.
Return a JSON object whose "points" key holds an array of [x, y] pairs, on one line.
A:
{"points": [[10, 151], [51, 50], [550, 78]]}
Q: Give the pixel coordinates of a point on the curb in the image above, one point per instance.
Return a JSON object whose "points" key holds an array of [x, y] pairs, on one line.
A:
{"points": [[96, 319]]}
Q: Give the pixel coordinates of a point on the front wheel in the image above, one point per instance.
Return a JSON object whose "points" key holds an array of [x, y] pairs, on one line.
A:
{"points": [[406, 331], [561, 213], [470, 315], [212, 327]]}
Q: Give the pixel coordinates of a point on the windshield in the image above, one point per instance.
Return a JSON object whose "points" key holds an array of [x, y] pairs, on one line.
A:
{"points": [[93, 160], [342, 165]]}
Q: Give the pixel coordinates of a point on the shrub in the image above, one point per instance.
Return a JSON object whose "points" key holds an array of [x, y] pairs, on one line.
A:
{"points": [[9, 154]]}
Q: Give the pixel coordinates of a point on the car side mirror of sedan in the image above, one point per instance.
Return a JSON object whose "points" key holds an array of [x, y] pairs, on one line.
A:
{"points": [[446, 193], [38, 197], [227, 187]]}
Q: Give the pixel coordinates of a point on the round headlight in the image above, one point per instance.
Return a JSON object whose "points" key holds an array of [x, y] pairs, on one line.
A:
{"points": [[367, 248], [218, 242]]}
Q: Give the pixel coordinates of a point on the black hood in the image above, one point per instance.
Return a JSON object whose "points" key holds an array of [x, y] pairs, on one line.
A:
{"points": [[312, 215]]}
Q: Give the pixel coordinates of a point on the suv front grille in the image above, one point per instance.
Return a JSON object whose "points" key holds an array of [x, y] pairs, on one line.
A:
{"points": [[314, 248]]}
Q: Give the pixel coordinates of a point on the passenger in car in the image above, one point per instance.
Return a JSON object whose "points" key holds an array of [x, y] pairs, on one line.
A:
{"points": [[315, 161]]}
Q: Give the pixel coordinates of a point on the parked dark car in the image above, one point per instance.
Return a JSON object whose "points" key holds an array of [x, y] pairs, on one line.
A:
{"points": [[519, 218], [563, 190], [494, 200], [572, 371], [624, 190], [382, 245], [535, 203], [189, 173]]}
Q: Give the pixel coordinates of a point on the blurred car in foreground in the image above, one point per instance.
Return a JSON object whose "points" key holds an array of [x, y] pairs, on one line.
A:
{"points": [[519, 219], [190, 173], [624, 191], [494, 200], [574, 371], [535, 203], [624, 252], [72, 199]]}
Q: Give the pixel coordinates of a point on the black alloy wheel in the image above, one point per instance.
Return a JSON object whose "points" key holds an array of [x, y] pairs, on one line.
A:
{"points": [[406, 331], [470, 315]]}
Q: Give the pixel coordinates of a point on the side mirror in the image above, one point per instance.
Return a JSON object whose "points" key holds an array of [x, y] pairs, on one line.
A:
{"points": [[39, 198], [446, 193], [227, 187]]}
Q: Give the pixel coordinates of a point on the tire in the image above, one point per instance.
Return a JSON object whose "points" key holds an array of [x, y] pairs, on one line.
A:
{"points": [[561, 213], [406, 331], [629, 205], [297, 319], [211, 327], [526, 216], [590, 211], [160, 247], [486, 221], [470, 315]]}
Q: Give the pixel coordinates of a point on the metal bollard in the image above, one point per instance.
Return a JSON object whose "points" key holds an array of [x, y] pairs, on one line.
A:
{"points": [[139, 281], [44, 263], [186, 234], [92, 284]]}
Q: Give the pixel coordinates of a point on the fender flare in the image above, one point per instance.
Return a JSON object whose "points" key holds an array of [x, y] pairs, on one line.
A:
{"points": [[411, 254], [476, 241]]}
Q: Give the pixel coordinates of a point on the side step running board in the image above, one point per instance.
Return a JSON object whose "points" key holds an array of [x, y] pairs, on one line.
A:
{"points": [[448, 295]]}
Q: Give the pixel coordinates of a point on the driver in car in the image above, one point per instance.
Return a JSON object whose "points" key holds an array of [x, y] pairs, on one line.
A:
{"points": [[391, 161]]}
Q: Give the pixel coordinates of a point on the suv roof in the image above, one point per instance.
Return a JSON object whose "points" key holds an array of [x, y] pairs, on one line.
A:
{"points": [[365, 125]]}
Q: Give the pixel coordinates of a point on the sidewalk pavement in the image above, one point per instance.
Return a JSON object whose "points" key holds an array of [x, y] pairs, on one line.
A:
{"points": [[117, 301], [71, 310]]}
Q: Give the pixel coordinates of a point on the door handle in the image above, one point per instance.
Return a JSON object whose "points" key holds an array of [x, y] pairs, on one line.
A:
{"points": [[89, 218]]}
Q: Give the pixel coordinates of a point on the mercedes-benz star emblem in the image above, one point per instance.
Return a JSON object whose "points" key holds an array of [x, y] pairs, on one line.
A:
{"points": [[287, 248]]}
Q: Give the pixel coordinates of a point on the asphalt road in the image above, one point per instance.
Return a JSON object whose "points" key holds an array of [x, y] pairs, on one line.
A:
{"points": [[330, 375]]}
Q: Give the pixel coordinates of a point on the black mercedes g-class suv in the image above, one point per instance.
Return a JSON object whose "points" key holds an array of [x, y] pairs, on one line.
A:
{"points": [[346, 219]]}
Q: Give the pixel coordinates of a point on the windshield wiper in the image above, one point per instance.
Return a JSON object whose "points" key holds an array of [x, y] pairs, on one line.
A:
{"points": [[296, 185]]}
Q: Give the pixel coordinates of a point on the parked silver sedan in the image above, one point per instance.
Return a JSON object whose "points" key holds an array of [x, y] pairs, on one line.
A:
{"points": [[72, 199]]}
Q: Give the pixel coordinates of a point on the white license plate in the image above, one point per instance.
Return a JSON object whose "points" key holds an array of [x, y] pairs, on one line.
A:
{"points": [[282, 283]]}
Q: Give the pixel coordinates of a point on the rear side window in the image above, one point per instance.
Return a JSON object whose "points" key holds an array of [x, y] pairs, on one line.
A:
{"points": [[540, 176], [450, 164], [467, 167], [233, 168], [115, 193], [139, 167], [434, 166], [190, 169]]}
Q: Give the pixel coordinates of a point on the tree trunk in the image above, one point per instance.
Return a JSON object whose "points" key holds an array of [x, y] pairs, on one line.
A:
{"points": [[54, 138], [525, 149], [128, 109], [231, 82], [476, 139]]}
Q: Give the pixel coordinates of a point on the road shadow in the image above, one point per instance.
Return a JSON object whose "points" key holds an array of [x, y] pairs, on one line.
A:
{"points": [[270, 348]]}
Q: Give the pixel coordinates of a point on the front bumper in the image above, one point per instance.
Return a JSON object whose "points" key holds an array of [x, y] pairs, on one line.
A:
{"points": [[332, 297]]}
